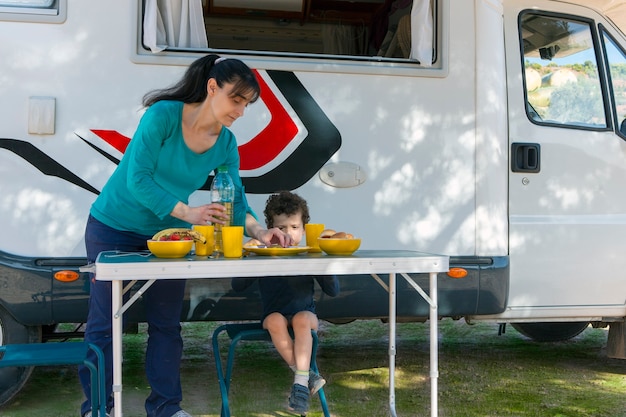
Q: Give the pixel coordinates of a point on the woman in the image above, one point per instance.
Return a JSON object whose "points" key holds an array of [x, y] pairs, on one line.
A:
{"points": [[182, 137]]}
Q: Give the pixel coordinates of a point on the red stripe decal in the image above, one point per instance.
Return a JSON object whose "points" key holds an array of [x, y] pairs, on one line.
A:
{"points": [[266, 146], [113, 138]]}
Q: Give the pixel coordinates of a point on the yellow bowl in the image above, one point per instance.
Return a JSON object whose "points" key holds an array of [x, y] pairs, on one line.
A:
{"points": [[170, 248], [342, 247]]}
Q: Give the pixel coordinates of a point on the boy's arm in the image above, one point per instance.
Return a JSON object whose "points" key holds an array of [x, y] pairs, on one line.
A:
{"points": [[329, 284]]}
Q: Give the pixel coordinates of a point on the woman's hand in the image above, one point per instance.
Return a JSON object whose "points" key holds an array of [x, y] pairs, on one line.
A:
{"points": [[206, 213]]}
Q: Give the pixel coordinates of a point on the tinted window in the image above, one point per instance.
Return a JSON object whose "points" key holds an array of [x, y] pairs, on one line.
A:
{"points": [[561, 72], [371, 30]]}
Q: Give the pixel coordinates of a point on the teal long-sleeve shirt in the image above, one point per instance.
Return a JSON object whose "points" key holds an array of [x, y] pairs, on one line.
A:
{"points": [[158, 170]]}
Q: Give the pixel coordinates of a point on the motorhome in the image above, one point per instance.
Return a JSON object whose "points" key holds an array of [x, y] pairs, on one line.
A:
{"points": [[487, 130]]}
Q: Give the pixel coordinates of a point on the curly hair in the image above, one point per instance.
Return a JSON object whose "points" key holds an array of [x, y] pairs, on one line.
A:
{"points": [[285, 202]]}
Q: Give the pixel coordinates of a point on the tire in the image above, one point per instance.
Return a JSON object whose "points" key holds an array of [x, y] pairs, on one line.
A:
{"points": [[551, 332], [12, 380], [340, 321]]}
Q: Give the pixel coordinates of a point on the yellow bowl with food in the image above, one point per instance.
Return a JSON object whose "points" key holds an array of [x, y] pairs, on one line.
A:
{"points": [[170, 248], [339, 246]]}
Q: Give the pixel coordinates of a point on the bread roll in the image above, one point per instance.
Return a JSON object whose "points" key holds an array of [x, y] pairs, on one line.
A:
{"points": [[327, 233], [252, 243]]}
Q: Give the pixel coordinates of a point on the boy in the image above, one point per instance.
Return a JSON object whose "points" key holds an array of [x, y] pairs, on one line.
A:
{"points": [[288, 301]]}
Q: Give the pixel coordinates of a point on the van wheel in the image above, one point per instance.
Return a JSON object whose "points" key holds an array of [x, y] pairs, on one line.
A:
{"points": [[340, 321], [551, 332], [11, 332]]}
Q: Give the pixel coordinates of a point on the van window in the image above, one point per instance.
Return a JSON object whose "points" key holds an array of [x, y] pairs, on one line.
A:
{"points": [[617, 75], [49, 11], [561, 74], [370, 30]]}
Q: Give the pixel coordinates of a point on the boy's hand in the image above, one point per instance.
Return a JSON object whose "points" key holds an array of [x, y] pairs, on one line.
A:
{"points": [[275, 236]]}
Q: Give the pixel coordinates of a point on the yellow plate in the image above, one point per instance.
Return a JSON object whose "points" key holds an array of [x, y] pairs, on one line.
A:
{"points": [[262, 250]]}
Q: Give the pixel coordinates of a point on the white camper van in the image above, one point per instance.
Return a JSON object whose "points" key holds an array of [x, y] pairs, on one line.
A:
{"points": [[487, 130]]}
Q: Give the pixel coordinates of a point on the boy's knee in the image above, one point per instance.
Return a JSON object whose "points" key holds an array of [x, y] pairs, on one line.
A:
{"points": [[304, 319], [274, 320]]}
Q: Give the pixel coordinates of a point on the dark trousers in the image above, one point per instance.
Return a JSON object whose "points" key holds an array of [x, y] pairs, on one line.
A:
{"points": [[162, 302]]}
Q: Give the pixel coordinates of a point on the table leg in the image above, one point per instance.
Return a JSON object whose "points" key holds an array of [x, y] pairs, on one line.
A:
{"points": [[434, 337], [392, 344], [116, 304]]}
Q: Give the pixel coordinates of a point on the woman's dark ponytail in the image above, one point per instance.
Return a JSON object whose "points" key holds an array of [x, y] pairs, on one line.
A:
{"points": [[192, 87]]}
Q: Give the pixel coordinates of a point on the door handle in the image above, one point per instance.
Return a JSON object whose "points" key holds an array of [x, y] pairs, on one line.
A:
{"points": [[525, 157]]}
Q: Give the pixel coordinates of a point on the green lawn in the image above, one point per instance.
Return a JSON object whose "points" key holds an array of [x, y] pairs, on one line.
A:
{"points": [[481, 374]]}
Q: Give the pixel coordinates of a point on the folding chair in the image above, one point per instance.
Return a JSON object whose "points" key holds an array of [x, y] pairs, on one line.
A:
{"points": [[249, 331], [61, 353]]}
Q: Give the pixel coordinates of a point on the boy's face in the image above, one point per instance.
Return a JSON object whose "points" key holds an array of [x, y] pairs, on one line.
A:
{"points": [[290, 224]]}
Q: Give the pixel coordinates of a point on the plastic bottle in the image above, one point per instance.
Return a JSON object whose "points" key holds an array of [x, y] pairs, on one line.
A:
{"points": [[222, 192]]}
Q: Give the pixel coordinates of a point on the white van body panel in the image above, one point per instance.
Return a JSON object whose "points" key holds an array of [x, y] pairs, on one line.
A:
{"points": [[491, 145]]}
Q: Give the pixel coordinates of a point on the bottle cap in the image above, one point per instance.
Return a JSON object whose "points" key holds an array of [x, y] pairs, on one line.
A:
{"points": [[222, 168]]}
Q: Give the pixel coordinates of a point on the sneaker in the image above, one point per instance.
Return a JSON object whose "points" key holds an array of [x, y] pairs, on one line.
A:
{"points": [[181, 413], [299, 399], [316, 381]]}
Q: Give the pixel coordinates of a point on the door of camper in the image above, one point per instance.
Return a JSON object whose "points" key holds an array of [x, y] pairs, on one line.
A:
{"points": [[568, 163]]}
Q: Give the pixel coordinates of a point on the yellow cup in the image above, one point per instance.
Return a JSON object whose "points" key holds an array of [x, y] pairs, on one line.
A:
{"points": [[313, 231], [207, 230], [232, 238]]}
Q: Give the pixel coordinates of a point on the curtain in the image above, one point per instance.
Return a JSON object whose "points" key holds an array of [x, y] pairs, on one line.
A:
{"points": [[174, 23], [341, 39], [422, 32]]}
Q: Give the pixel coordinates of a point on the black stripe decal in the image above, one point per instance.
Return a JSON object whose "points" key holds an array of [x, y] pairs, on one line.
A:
{"points": [[43, 162]]}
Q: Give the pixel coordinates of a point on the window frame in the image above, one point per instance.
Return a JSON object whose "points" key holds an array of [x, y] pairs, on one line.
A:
{"points": [[56, 12], [304, 61], [604, 33], [600, 62]]}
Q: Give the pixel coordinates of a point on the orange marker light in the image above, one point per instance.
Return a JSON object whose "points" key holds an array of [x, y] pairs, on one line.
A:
{"points": [[66, 276], [457, 273]]}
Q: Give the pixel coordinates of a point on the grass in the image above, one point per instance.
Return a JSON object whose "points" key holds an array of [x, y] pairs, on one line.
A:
{"points": [[481, 373]]}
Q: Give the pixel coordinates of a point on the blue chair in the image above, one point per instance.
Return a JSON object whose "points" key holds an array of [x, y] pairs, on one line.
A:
{"points": [[62, 353], [249, 331]]}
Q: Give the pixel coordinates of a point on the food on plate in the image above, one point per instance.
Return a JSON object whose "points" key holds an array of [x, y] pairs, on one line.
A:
{"points": [[252, 243], [342, 235], [332, 234], [179, 233]]}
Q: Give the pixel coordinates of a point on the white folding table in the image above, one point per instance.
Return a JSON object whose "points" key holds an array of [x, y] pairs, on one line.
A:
{"points": [[124, 270]]}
